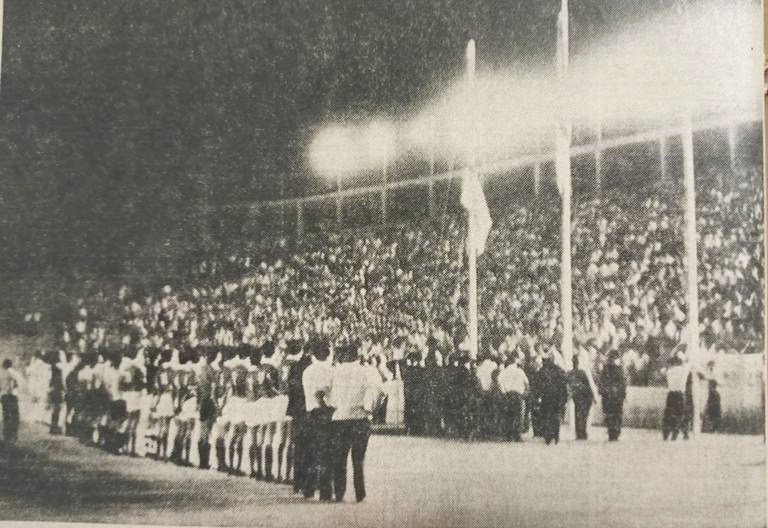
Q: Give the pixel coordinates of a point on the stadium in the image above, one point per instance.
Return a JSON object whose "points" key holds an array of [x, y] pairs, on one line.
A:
{"points": [[464, 198]]}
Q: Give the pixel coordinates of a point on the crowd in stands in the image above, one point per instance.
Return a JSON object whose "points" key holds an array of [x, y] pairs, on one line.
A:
{"points": [[410, 282], [400, 294]]}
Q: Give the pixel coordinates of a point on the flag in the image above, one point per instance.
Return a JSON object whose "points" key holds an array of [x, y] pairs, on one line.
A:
{"points": [[473, 200], [563, 129]]}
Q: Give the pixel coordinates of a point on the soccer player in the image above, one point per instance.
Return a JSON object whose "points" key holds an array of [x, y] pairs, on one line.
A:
{"points": [[269, 393], [131, 385], [162, 407], [282, 436], [255, 413], [205, 377], [235, 410], [188, 409], [221, 397], [55, 392]]}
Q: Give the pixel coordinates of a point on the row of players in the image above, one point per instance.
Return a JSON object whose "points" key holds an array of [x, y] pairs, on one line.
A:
{"points": [[233, 399]]}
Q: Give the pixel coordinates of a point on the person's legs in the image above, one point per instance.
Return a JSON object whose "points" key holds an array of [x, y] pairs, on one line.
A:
{"points": [[287, 451], [236, 449], [203, 444], [515, 416], [178, 440], [360, 433], [55, 416], [267, 450], [549, 419], [311, 457], [619, 417], [609, 415], [221, 449], [279, 443], [716, 412], [556, 419], [666, 424], [324, 462], [578, 411], [676, 405], [10, 417], [342, 439], [299, 452], [259, 455]]}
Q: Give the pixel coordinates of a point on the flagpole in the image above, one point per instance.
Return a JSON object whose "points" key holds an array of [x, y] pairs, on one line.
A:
{"points": [[563, 169], [471, 242], [692, 282], [691, 257]]}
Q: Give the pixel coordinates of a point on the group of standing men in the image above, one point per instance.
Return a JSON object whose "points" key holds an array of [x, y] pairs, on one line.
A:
{"points": [[504, 398]]}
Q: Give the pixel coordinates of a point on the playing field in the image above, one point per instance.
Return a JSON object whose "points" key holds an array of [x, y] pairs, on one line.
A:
{"points": [[713, 481]]}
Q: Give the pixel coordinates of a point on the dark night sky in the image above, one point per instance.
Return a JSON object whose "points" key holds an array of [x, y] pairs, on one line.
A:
{"points": [[120, 117]]}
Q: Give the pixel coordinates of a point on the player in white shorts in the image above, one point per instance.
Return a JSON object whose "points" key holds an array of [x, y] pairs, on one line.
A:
{"points": [[186, 398], [275, 408], [255, 414], [236, 412], [132, 377], [162, 407]]}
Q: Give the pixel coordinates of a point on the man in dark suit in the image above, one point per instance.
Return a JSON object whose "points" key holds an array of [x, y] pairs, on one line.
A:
{"points": [[613, 389], [554, 395], [297, 410], [581, 392], [413, 395]]}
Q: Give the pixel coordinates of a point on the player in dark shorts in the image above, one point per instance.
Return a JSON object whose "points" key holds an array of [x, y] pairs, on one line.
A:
{"points": [[204, 381], [221, 395]]}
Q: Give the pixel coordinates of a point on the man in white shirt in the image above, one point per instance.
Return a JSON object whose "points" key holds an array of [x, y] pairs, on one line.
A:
{"points": [[513, 384], [316, 382], [486, 373], [674, 412], [352, 393]]}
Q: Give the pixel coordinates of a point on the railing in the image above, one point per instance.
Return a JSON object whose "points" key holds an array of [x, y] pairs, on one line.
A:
{"points": [[296, 206]]}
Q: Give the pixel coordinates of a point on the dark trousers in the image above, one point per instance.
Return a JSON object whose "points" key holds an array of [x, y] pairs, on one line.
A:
{"points": [[613, 410], [350, 435], [513, 422], [301, 442], [551, 415], [487, 415], [318, 453], [714, 411], [581, 410], [674, 415], [10, 405]]}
